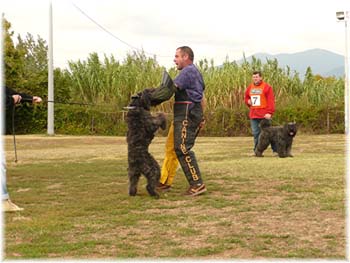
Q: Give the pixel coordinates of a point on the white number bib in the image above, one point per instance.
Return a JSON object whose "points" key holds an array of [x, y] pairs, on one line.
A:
{"points": [[255, 99]]}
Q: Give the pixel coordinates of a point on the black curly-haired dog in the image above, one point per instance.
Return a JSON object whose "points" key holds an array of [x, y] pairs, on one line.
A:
{"points": [[281, 135], [141, 129]]}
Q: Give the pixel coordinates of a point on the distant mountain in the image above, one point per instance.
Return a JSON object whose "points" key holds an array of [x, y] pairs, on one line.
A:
{"points": [[322, 62]]}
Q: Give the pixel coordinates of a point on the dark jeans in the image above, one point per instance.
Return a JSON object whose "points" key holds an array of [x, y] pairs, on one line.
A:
{"points": [[187, 118], [256, 132]]}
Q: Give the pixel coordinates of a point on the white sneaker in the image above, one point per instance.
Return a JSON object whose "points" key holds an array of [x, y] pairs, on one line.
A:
{"points": [[8, 206]]}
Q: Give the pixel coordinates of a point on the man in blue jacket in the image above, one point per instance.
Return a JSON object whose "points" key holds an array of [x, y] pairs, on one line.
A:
{"points": [[188, 117]]}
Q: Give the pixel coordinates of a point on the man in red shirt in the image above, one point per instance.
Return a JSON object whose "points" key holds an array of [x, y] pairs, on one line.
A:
{"points": [[260, 99]]}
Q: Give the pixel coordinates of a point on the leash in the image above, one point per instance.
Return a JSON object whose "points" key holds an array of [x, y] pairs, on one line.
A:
{"points": [[29, 100], [74, 103], [13, 128], [51, 101], [13, 131]]}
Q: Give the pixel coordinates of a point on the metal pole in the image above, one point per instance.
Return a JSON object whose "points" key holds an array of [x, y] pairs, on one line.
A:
{"points": [[346, 67], [347, 143], [50, 104], [344, 16]]}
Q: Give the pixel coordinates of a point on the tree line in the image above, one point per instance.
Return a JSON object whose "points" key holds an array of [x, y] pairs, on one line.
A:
{"points": [[105, 85]]}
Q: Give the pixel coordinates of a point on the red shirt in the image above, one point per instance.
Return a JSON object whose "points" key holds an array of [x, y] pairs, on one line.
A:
{"points": [[262, 100]]}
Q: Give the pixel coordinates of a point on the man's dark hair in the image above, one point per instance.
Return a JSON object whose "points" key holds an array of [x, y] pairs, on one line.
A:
{"points": [[257, 72], [187, 50]]}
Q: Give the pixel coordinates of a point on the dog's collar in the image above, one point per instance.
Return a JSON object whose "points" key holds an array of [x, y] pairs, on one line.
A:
{"points": [[129, 108]]}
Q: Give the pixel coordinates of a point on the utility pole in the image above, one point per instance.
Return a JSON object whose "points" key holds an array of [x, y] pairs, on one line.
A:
{"points": [[343, 16], [50, 103]]}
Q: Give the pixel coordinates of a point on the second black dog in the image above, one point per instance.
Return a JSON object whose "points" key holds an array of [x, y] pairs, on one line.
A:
{"points": [[282, 136]]}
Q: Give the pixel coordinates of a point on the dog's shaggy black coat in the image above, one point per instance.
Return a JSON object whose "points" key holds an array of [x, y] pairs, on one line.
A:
{"points": [[141, 129], [282, 136]]}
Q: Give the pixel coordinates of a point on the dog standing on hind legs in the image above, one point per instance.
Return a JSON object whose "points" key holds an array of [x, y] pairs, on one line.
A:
{"points": [[282, 136], [141, 129]]}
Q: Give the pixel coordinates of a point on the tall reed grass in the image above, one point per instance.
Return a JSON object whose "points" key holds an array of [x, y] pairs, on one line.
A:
{"points": [[312, 100]]}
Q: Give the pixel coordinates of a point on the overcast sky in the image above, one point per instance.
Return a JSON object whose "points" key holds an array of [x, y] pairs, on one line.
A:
{"points": [[214, 29]]}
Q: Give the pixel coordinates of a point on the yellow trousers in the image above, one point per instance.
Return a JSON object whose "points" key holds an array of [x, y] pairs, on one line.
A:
{"points": [[170, 162]]}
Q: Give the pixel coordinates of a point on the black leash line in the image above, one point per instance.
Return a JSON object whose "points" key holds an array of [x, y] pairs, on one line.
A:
{"points": [[74, 103], [13, 131], [50, 101]]}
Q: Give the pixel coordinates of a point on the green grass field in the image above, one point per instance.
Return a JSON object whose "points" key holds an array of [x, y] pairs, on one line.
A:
{"points": [[74, 191]]}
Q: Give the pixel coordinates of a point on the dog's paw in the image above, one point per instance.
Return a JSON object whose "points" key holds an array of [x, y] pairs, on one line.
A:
{"points": [[258, 154], [132, 191], [152, 192]]}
